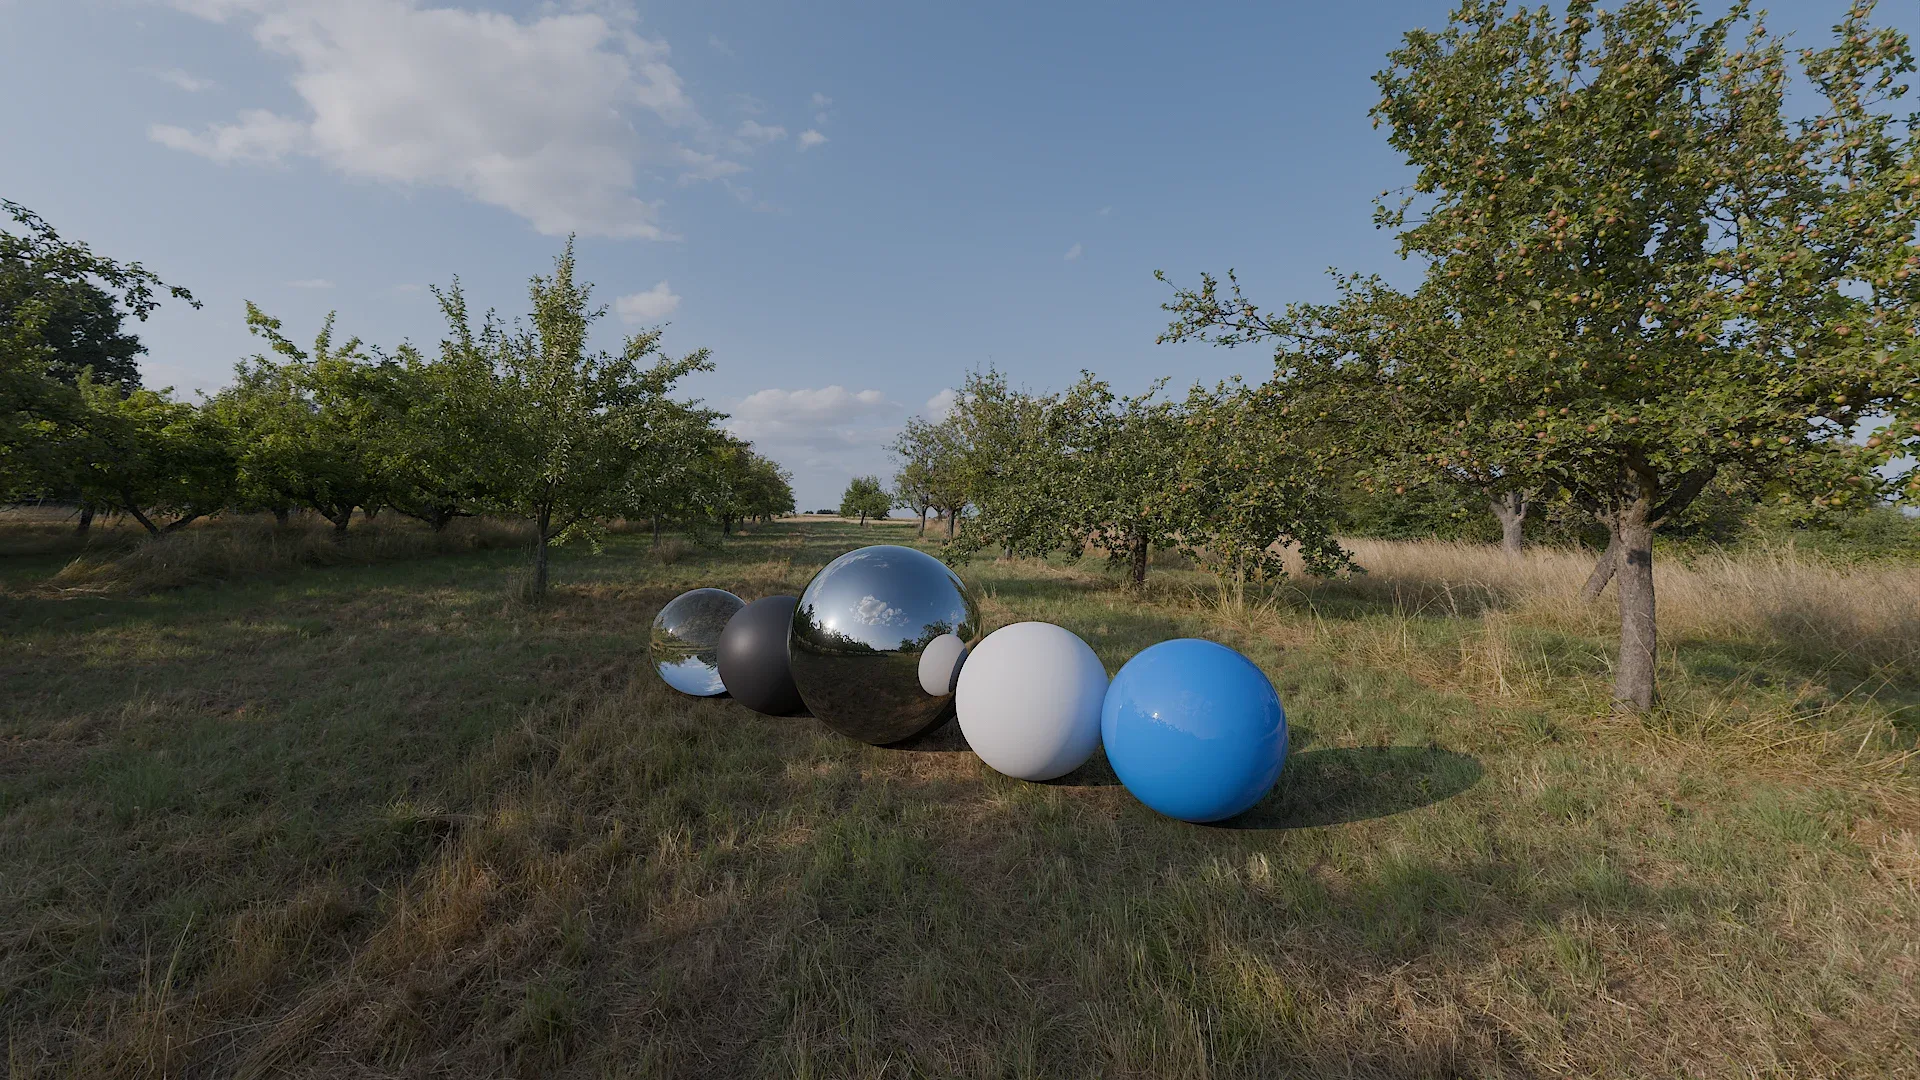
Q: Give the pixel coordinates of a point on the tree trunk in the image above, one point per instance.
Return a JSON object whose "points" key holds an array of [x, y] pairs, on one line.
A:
{"points": [[341, 521], [540, 555], [280, 515], [953, 518], [1633, 678], [86, 520], [1511, 508], [1602, 571], [1137, 560], [127, 501], [368, 512], [923, 522], [863, 518], [656, 530]]}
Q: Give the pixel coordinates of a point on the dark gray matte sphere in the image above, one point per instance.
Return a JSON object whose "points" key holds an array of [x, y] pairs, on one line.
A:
{"points": [[858, 633], [753, 656], [686, 639]]}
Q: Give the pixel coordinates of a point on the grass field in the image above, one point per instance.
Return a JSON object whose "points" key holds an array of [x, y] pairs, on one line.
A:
{"points": [[382, 819]]}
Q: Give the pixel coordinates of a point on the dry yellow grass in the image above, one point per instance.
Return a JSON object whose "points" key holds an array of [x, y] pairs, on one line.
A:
{"points": [[1870, 611], [365, 822]]}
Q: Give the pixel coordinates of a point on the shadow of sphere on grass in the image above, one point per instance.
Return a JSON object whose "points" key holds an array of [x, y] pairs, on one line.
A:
{"points": [[1355, 783], [945, 737]]}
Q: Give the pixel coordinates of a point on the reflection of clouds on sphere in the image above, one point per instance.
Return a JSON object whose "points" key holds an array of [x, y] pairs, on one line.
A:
{"points": [[861, 628], [1194, 729], [874, 611], [1029, 700], [685, 644]]}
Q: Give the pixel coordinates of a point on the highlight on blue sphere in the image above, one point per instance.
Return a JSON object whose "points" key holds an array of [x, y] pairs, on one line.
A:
{"points": [[1194, 730]]}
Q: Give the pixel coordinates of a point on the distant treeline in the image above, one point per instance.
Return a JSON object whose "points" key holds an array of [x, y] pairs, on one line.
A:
{"points": [[519, 419]]}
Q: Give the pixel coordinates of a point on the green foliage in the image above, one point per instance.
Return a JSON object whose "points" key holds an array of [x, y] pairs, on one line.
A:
{"points": [[740, 485], [519, 421], [932, 473], [152, 456], [80, 323], [441, 439], [1004, 462], [1640, 272], [61, 312], [865, 498], [1090, 468], [310, 429]]}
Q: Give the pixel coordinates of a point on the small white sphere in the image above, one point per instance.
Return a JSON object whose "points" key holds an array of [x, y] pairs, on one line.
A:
{"points": [[940, 664], [1029, 700]]}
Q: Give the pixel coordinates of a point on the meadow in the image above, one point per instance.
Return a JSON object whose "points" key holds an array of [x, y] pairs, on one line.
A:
{"points": [[362, 810]]}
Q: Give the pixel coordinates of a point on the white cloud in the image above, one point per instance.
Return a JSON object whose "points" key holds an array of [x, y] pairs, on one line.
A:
{"points": [[410, 287], [942, 403], [754, 131], [310, 283], [550, 117], [656, 303], [183, 80], [810, 139], [876, 612], [1074, 252], [259, 138], [821, 101], [717, 44], [1105, 211], [702, 166], [825, 406], [825, 435]]}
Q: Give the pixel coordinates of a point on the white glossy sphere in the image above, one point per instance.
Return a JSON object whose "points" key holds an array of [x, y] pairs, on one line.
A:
{"points": [[1029, 700], [940, 664]]}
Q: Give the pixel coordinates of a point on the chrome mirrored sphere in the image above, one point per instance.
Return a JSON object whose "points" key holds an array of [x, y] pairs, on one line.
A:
{"points": [[858, 633], [686, 640]]}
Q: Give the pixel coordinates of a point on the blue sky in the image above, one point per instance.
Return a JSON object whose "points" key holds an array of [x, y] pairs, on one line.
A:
{"points": [[851, 204]]}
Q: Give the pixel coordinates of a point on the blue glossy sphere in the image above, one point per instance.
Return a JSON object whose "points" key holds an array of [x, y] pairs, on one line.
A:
{"points": [[1194, 730]]}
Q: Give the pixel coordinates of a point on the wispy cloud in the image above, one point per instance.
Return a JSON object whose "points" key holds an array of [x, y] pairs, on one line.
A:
{"points": [[555, 117], [820, 104], [310, 283], [654, 304], [183, 80], [810, 139], [755, 132], [698, 165], [745, 196], [1105, 211], [717, 44], [1074, 253], [942, 403]]}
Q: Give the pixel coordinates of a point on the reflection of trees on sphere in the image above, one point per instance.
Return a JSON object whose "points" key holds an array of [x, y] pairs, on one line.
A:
{"points": [[858, 633]]}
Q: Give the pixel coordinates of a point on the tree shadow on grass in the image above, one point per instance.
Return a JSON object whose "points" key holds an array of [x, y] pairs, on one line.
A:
{"points": [[1355, 783]]}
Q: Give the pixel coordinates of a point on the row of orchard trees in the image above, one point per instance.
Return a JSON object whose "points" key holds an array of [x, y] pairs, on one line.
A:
{"points": [[523, 419], [1210, 474], [1640, 276]]}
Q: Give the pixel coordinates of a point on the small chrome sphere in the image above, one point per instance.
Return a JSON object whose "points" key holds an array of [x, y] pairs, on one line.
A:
{"points": [[858, 634], [686, 640]]}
